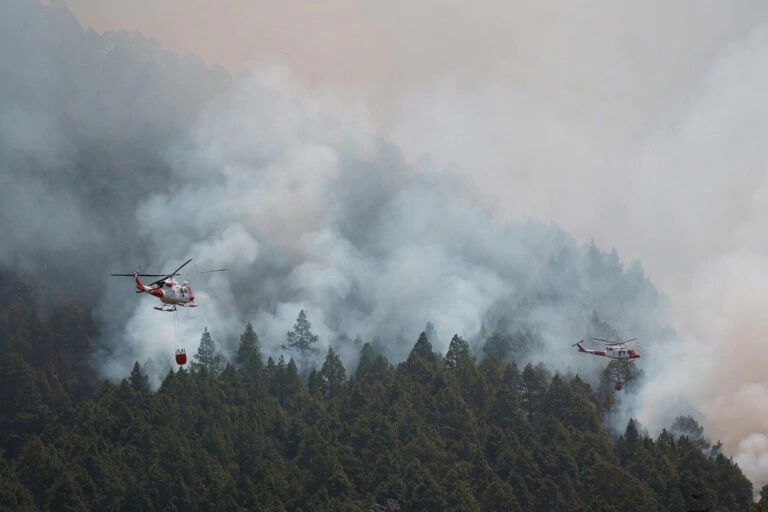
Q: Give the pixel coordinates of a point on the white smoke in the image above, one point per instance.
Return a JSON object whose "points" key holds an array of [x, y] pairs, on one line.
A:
{"points": [[307, 215], [311, 213]]}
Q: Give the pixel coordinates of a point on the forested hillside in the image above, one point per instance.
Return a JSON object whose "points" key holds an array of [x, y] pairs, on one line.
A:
{"points": [[116, 152], [434, 433]]}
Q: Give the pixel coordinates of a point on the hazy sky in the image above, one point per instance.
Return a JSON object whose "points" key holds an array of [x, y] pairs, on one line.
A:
{"points": [[633, 123], [519, 93]]}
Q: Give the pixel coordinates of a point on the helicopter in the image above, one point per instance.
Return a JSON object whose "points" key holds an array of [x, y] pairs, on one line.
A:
{"points": [[617, 352], [170, 292], [614, 350]]}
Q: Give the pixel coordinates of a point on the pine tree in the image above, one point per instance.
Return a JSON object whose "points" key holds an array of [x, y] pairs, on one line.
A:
{"points": [[422, 361], [301, 337], [422, 349], [249, 353], [689, 427], [139, 380], [367, 356], [315, 382], [332, 374], [208, 359], [496, 346], [458, 351], [534, 386], [764, 497]]}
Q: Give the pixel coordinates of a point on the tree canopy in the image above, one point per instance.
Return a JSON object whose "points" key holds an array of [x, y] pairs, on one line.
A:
{"points": [[433, 433]]}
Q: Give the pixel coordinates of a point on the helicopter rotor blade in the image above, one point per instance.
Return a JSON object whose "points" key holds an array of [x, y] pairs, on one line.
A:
{"points": [[202, 272], [614, 342], [621, 342], [137, 273], [140, 275], [175, 272]]}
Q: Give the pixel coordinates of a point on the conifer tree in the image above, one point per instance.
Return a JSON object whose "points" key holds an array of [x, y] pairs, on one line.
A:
{"points": [[332, 374], [249, 353], [367, 355], [208, 359], [301, 337], [458, 351], [315, 382], [764, 498], [139, 380], [689, 427]]}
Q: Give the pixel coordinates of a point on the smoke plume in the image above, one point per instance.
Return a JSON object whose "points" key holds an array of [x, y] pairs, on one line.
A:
{"points": [[311, 214]]}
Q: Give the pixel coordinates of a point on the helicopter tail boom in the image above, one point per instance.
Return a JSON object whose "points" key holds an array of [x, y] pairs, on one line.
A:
{"points": [[140, 287], [585, 351]]}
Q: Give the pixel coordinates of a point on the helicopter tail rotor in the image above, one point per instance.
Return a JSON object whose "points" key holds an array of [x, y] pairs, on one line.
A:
{"points": [[578, 345]]}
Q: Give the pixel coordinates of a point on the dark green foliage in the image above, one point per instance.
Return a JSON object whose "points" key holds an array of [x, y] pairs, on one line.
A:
{"points": [[138, 379], [434, 433], [249, 352], [333, 375], [690, 428], [507, 346], [208, 360], [301, 337], [458, 353]]}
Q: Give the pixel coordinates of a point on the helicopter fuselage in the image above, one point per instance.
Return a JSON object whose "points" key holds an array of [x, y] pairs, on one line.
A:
{"points": [[612, 352], [169, 292]]}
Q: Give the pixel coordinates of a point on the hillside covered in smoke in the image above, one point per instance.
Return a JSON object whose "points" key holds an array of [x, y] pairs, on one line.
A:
{"points": [[117, 153]]}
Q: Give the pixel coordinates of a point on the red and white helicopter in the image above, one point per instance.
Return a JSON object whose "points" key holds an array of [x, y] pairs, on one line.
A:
{"points": [[170, 292], [618, 353]]}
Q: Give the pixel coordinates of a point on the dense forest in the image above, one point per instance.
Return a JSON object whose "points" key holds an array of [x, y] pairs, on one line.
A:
{"points": [[456, 432]]}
